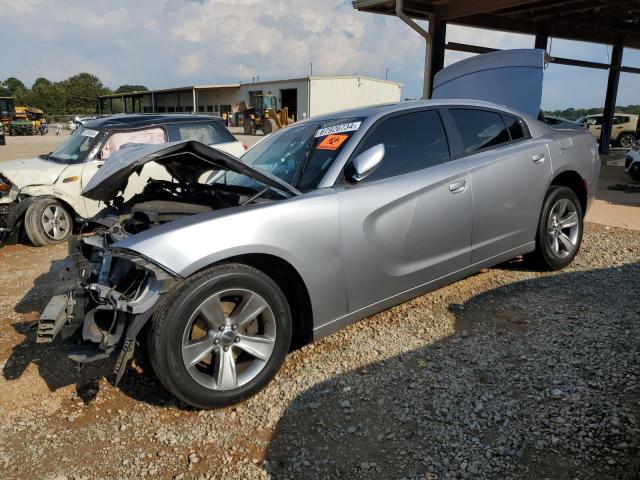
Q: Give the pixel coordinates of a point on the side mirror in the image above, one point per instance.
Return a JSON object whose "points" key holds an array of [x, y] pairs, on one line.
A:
{"points": [[366, 162]]}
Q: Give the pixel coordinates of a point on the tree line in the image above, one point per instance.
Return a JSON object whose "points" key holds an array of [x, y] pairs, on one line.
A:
{"points": [[76, 95], [575, 113]]}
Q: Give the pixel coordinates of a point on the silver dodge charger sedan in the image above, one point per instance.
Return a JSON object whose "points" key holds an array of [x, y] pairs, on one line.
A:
{"points": [[218, 273]]}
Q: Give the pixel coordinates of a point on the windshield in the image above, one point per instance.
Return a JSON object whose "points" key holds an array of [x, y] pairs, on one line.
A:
{"points": [[299, 154], [77, 147]]}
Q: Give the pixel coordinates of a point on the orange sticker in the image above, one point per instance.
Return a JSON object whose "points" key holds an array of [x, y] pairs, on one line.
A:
{"points": [[332, 142]]}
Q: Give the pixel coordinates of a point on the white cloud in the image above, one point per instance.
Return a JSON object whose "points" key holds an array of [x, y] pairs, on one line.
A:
{"points": [[189, 64], [205, 41]]}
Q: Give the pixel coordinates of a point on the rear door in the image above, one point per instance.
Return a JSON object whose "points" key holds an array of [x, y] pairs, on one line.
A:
{"points": [[212, 133], [409, 222], [509, 173]]}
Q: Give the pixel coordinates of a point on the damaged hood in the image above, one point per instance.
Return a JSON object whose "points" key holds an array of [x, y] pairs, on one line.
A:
{"points": [[512, 78], [185, 161], [32, 171]]}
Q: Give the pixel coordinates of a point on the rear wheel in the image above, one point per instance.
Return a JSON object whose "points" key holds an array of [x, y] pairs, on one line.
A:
{"points": [[560, 228], [47, 221], [626, 140], [221, 336]]}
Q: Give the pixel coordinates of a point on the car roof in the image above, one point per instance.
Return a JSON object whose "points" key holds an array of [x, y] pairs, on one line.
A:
{"points": [[128, 120], [379, 110]]}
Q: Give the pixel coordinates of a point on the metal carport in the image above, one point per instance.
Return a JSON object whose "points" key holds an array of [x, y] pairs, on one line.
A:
{"points": [[613, 22]]}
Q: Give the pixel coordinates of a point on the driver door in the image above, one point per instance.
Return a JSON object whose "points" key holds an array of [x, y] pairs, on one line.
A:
{"points": [[409, 222]]}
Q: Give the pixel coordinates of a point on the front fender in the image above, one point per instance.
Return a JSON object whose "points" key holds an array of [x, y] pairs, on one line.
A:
{"points": [[304, 231]]}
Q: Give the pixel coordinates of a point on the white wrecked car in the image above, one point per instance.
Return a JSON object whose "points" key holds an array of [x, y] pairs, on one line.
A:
{"points": [[41, 197]]}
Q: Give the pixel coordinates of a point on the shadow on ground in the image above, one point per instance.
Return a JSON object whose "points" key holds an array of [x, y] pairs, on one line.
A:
{"points": [[539, 381]]}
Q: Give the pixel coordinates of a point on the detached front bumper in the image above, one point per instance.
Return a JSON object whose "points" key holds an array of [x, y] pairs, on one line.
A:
{"points": [[95, 311]]}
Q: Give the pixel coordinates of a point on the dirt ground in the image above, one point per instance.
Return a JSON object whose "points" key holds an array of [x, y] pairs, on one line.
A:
{"points": [[510, 373]]}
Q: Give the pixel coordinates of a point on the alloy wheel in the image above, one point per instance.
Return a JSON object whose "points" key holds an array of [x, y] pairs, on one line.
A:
{"points": [[229, 339], [563, 228], [55, 222]]}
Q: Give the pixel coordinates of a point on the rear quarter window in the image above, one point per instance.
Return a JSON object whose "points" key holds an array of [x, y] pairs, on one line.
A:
{"points": [[515, 127], [209, 133]]}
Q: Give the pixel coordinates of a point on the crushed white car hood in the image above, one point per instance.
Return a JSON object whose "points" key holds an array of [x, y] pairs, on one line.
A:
{"points": [[32, 171]]}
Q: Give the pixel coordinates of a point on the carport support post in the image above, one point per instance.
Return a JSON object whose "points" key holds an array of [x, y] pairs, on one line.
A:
{"points": [[612, 94], [438, 30], [542, 39], [193, 93]]}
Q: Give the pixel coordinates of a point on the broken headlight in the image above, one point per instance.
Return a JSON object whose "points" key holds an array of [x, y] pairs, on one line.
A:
{"points": [[5, 185]]}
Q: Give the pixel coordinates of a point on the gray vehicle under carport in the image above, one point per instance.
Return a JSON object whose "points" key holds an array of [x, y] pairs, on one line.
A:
{"points": [[321, 224]]}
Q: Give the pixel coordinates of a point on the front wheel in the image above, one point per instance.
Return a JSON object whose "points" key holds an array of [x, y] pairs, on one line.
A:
{"points": [[221, 336], [560, 228], [47, 221]]}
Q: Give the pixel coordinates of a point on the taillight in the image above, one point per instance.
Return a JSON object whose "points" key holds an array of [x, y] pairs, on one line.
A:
{"points": [[638, 126], [245, 147]]}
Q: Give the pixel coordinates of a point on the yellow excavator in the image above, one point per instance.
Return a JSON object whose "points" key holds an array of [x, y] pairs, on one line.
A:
{"points": [[263, 114]]}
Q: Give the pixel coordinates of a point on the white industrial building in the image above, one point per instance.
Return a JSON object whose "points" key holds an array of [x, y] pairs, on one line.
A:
{"points": [[305, 97]]}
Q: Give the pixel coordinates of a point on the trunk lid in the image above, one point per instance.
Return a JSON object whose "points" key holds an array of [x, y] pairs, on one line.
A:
{"points": [[512, 78]]}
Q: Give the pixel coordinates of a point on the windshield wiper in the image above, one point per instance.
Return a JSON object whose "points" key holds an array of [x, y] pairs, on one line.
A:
{"points": [[265, 190]]}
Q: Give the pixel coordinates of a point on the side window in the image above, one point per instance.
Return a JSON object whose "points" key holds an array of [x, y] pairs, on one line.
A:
{"points": [[597, 120], [118, 140], [479, 128], [514, 125], [412, 141], [209, 133]]}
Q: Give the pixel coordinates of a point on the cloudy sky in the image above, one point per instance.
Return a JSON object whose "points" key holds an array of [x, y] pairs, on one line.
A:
{"points": [[165, 43]]}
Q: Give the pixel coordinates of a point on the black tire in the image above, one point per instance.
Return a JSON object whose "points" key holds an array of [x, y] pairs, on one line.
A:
{"points": [[33, 222], [248, 126], [635, 176], [626, 139], [269, 125], [544, 256], [172, 319]]}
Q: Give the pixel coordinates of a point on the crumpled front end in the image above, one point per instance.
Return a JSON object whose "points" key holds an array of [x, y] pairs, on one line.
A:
{"points": [[103, 299]]}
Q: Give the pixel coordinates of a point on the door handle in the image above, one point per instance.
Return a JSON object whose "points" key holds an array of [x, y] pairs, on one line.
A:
{"points": [[458, 187], [538, 158]]}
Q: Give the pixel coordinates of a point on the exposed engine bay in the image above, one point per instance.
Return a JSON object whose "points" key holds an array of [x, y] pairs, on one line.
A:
{"points": [[106, 294], [164, 201]]}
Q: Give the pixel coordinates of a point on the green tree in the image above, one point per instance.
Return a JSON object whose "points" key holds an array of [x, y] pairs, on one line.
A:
{"points": [[82, 92], [131, 88], [14, 85], [48, 96]]}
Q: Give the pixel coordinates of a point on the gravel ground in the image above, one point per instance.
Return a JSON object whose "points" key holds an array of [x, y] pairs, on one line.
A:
{"points": [[510, 373]]}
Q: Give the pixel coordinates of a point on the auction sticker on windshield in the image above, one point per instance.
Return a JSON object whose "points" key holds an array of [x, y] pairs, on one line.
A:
{"points": [[87, 132], [345, 127], [332, 142]]}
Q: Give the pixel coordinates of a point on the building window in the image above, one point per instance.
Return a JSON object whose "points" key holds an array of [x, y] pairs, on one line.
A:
{"points": [[209, 108], [188, 109], [161, 110], [147, 109], [201, 108], [171, 109]]}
